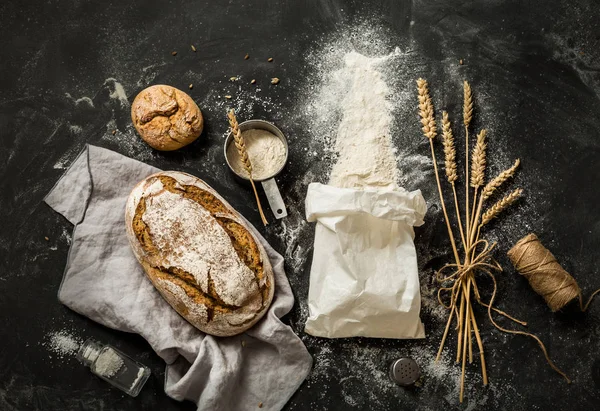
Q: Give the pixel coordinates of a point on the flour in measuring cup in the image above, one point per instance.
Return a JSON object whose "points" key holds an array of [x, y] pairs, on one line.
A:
{"points": [[265, 150]]}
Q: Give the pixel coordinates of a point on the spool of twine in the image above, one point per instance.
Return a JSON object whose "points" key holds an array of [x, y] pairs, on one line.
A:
{"points": [[545, 275]]}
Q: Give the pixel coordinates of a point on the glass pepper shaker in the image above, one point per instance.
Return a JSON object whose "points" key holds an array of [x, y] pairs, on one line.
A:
{"points": [[113, 366]]}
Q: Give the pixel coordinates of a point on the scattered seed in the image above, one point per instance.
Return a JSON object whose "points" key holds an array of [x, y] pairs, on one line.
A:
{"points": [[253, 81], [247, 56], [233, 78], [114, 132], [274, 80], [174, 53], [260, 404], [228, 97], [191, 86], [46, 238], [193, 48], [270, 59], [460, 62], [243, 343]]}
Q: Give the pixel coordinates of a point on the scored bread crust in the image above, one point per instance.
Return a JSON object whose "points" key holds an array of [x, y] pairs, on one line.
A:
{"points": [[199, 253]]}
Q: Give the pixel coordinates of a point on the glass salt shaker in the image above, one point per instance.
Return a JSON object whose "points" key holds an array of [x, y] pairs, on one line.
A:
{"points": [[113, 366]]}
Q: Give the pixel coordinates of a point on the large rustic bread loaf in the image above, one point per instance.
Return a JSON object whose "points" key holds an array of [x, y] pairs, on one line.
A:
{"points": [[199, 253]]}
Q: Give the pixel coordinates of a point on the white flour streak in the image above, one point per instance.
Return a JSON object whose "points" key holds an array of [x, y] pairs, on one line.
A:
{"points": [[82, 100], [117, 92], [75, 129], [363, 142]]}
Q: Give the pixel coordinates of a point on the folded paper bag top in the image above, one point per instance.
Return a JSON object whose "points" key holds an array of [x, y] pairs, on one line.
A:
{"points": [[364, 278]]}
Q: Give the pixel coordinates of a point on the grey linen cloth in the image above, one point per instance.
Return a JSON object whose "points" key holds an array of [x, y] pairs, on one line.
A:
{"points": [[104, 282]]}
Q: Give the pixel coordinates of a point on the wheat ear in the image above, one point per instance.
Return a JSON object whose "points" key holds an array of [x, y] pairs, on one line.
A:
{"points": [[468, 104], [478, 161], [449, 150], [430, 131], [426, 110], [500, 206], [241, 148], [450, 162], [493, 185]]}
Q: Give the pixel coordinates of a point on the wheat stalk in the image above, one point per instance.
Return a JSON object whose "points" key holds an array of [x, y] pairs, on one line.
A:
{"points": [[467, 116], [426, 110], [500, 206], [493, 185], [449, 150], [478, 161], [430, 131], [241, 148], [468, 104], [450, 162]]}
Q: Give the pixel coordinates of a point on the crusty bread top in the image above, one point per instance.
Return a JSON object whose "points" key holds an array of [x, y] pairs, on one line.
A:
{"points": [[166, 118], [198, 253]]}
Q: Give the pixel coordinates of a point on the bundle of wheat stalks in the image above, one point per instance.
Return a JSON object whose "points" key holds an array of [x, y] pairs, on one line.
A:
{"points": [[459, 280]]}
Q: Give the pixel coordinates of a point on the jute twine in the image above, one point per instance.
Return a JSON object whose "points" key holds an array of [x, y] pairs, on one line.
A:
{"points": [[545, 275]]}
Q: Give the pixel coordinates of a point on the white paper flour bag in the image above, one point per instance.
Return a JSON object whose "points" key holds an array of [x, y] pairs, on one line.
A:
{"points": [[364, 279]]}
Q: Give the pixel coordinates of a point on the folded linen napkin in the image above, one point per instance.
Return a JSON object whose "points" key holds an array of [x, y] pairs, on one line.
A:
{"points": [[104, 282]]}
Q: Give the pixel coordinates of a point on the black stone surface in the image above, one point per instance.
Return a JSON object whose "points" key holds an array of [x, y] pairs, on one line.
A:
{"points": [[535, 69]]}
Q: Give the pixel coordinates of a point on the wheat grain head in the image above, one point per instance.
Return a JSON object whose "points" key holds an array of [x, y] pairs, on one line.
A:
{"points": [[500, 206], [478, 160], [468, 104], [426, 109], [449, 150], [239, 142], [493, 185]]}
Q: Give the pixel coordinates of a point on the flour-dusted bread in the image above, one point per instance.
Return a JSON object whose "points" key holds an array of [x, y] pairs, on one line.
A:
{"points": [[198, 253], [166, 118]]}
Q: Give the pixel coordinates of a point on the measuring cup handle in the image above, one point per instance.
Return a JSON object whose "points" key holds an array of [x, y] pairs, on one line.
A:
{"points": [[274, 198]]}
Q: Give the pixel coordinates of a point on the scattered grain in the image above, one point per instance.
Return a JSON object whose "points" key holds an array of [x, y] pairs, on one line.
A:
{"points": [[270, 59], [228, 97], [191, 86], [193, 48], [174, 53], [253, 81], [46, 238], [274, 80], [247, 56]]}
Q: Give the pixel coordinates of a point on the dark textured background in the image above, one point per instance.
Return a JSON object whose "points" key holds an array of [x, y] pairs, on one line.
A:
{"points": [[535, 68]]}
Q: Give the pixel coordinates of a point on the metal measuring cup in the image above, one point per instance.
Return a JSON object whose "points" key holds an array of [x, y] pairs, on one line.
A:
{"points": [[269, 185]]}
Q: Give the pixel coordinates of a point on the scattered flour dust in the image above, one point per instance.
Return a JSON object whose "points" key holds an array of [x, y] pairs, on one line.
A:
{"points": [[363, 143], [62, 344]]}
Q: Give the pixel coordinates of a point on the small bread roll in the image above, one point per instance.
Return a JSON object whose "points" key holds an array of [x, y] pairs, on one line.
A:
{"points": [[166, 118]]}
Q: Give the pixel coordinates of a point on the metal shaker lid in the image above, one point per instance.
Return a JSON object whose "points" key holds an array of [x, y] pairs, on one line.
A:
{"points": [[405, 371]]}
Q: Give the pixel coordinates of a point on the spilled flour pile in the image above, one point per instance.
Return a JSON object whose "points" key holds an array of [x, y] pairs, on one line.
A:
{"points": [[363, 142]]}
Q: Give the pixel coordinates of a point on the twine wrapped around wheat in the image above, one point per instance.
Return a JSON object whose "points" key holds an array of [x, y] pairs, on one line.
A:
{"points": [[477, 258]]}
